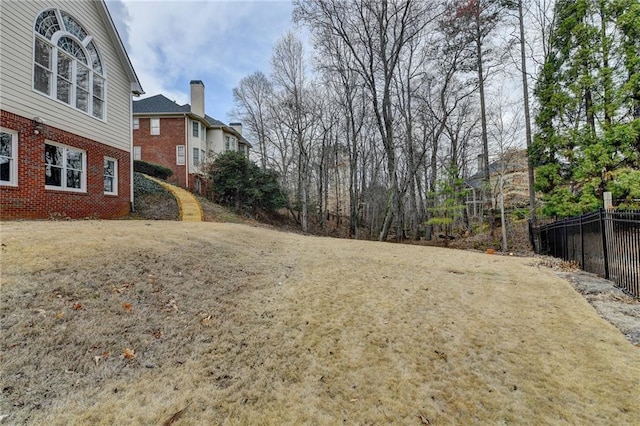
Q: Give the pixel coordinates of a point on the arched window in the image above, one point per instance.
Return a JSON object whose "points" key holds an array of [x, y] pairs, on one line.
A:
{"points": [[67, 65]]}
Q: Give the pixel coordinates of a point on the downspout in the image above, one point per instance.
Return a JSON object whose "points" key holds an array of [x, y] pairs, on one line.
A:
{"points": [[132, 207], [186, 150]]}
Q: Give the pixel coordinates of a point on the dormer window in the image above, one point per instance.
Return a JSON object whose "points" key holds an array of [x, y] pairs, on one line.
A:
{"points": [[67, 66]]}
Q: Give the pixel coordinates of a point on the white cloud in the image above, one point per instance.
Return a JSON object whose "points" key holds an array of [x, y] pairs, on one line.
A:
{"points": [[218, 42]]}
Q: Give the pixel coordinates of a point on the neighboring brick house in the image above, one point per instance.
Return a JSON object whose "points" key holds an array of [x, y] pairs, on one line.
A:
{"points": [[182, 137], [66, 85]]}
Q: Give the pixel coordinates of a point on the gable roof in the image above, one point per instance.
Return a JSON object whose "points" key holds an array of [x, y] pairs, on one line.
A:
{"points": [[214, 122], [159, 104], [136, 87]]}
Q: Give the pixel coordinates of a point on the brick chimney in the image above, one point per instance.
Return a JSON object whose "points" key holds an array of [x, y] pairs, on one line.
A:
{"points": [[237, 127], [197, 97], [480, 163]]}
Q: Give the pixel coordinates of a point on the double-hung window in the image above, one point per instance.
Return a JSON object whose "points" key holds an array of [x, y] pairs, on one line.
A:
{"points": [[137, 152], [180, 155], [66, 63], [155, 126], [196, 157], [64, 167], [8, 157], [196, 129], [110, 176], [136, 123]]}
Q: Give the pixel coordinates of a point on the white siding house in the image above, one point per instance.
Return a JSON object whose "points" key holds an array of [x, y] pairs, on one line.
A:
{"points": [[66, 83]]}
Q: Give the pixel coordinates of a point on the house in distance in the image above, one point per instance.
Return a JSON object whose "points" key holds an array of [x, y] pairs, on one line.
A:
{"points": [[182, 137], [510, 168]]}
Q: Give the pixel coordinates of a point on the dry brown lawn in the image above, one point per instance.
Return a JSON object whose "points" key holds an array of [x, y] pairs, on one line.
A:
{"points": [[131, 322]]}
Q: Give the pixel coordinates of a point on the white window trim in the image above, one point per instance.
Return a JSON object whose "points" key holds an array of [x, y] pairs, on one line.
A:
{"points": [[53, 43], [137, 152], [136, 123], [13, 168], [195, 129], [83, 182], [115, 176], [152, 127], [178, 155]]}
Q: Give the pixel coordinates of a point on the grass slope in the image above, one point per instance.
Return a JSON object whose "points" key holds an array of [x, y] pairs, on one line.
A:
{"points": [[129, 322]]}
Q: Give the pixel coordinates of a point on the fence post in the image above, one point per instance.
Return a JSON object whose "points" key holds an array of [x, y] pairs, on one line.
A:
{"points": [[604, 243], [565, 242], [581, 245]]}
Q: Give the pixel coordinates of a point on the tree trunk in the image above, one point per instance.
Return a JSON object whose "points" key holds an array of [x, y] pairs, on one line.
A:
{"points": [[527, 118], [503, 222]]}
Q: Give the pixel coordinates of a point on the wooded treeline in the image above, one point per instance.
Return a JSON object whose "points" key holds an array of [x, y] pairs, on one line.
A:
{"points": [[382, 123]]}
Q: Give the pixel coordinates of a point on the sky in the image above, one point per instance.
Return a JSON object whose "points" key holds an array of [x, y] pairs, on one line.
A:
{"points": [[219, 42]]}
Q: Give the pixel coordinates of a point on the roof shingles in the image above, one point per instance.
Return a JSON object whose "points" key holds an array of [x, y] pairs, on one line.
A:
{"points": [[160, 104]]}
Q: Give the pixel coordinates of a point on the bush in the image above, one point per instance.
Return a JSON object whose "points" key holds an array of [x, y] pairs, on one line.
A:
{"points": [[143, 186], [155, 170], [240, 184]]}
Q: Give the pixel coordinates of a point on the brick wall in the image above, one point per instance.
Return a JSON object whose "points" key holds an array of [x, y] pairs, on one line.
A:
{"points": [[198, 184], [30, 199], [161, 149]]}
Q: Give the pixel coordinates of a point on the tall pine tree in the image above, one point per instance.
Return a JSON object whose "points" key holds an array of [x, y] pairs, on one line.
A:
{"points": [[588, 124]]}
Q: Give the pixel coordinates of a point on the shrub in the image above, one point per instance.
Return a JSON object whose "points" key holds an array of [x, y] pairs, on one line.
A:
{"points": [[240, 184], [143, 186], [155, 170]]}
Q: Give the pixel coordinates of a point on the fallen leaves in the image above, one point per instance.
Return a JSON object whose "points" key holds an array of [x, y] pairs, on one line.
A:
{"points": [[120, 290], [98, 358], [129, 354], [424, 420], [77, 306], [126, 306]]}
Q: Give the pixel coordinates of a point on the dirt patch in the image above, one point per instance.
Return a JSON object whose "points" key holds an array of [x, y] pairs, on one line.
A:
{"points": [[613, 304], [135, 321]]}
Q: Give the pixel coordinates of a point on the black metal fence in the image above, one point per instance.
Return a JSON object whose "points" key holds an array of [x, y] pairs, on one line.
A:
{"points": [[605, 242]]}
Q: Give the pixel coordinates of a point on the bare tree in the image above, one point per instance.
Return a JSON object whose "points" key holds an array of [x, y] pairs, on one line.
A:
{"points": [[527, 114], [443, 100], [345, 85], [251, 99], [296, 111], [504, 131], [377, 34]]}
